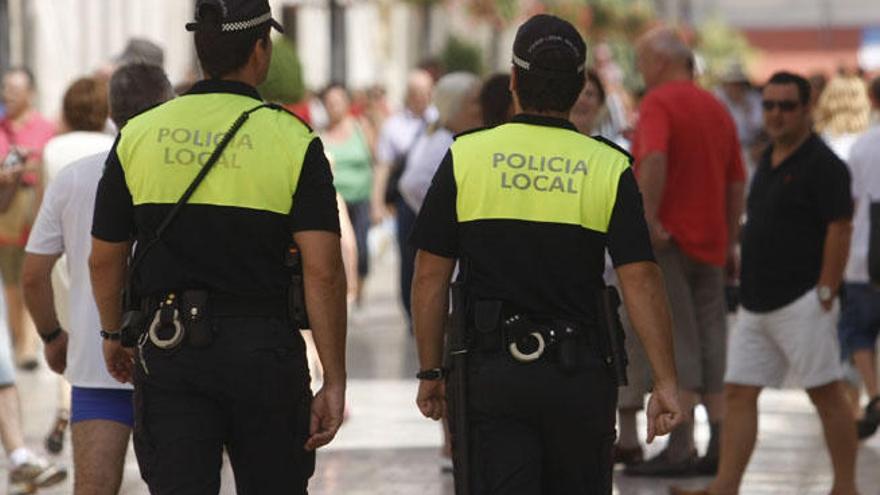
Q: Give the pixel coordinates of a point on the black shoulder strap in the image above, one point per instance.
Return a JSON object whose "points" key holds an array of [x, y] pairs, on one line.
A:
{"points": [[172, 215]]}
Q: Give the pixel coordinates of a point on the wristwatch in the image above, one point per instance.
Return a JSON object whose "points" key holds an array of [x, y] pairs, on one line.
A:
{"points": [[115, 335], [54, 334], [825, 293], [432, 374]]}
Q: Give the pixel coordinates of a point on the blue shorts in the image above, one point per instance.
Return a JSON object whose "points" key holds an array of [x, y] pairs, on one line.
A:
{"points": [[859, 319], [102, 403]]}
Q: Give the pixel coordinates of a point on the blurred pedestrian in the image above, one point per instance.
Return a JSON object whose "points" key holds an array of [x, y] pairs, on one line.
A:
{"points": [[24, 130], [690, 171], [349, 140], [527, 209], [395, 142], [222, 273], [101, 407], [842, 113], [860, 310], [496, 102], [743, 102], [590, 113], [456, 97], [794, 249]]}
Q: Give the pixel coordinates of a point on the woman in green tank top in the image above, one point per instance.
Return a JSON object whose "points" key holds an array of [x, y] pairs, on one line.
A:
{"points": [[349, 144]]}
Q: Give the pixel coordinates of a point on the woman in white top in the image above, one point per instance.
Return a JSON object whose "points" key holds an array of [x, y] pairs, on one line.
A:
{"points": [[456, 97]]}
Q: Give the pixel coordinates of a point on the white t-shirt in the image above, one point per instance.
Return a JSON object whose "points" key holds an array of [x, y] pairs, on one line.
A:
{"points": [[864, 166], [67, 148], [64, 225], [421, 164]]}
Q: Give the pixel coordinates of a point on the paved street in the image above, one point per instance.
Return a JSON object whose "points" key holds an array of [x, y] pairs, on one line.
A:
{"points": [[387, 448]]}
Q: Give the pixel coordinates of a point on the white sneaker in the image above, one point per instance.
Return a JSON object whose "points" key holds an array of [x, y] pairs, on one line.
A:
{"points": [[36, 473]]}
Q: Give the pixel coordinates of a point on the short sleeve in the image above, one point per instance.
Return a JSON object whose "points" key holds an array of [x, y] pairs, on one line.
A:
{"points": [[47, 234], [314, 202], [653, 129], [831, 186], [736, 171], [858, 159], [436, 228], [628, 239], [114, 209]]}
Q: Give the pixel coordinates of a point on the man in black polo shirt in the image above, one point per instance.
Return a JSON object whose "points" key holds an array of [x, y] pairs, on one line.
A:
{"points": [[794, 251]]}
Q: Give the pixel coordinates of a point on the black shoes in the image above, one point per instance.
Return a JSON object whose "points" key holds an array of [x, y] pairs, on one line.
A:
{"points": [[628, 456], [867, 426], [663, 466]]}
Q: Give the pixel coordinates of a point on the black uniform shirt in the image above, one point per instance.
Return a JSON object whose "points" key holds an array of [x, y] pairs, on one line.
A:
{"points": [[789, 209], [224, 249], [546, 269]]}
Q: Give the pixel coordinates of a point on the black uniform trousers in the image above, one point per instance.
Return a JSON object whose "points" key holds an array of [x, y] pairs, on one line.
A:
{"points": [[248, 392], [535, 430]]}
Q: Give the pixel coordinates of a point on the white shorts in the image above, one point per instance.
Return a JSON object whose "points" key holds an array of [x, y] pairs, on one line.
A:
{"points": [[795, 345]]}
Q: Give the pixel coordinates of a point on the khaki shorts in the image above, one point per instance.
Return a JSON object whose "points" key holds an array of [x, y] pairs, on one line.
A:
{"points": [[11, 260], [795, 346], [699, 319]]}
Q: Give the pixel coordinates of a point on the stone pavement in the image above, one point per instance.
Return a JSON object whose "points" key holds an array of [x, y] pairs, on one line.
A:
{"points": [[387, 448]]}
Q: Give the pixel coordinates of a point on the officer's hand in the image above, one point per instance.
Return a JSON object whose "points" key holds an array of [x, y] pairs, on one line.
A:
{"points": [[432, 398], [119, 361], [328, 408], [56, 353], [664, 412]]}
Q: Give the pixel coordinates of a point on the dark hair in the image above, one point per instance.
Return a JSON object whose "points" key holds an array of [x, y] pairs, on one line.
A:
{"points": [[803, 86], [593, 78], [85, 105], [874, 89], [222, 53], [135, 88], [541, 92], [28, 74], [495, 100]]}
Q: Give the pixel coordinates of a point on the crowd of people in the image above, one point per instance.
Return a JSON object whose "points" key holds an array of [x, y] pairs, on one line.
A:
{"points": [[758, 195]]}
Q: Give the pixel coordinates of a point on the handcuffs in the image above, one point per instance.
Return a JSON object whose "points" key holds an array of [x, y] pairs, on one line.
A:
{"points": [[166, 317]]}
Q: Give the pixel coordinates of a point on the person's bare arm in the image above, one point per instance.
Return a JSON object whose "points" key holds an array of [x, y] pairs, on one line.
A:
{"points": [[652, 182], [381, 173], [648, 309], [40, 301], [325, 288], [430, 303], [835, 256], [735, 205], [107, 266]]}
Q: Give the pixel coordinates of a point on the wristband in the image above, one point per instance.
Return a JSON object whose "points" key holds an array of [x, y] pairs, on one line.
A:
{"points": [[49, 337], [111, 335], [432, 374]]}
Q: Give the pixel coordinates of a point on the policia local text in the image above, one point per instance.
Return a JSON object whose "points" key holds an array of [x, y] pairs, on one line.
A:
{"points": [[558, 165], [195, 138]]}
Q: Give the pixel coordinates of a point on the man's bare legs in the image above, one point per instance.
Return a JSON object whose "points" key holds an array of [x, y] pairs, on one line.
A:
{"points": [[840, 434], [23, 338], [865, 361], [99, 448], [738, 436], [10, 419]]}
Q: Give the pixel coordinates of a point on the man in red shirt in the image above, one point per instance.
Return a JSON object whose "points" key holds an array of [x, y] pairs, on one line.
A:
{"points": [[25, 130], [691, 175]]}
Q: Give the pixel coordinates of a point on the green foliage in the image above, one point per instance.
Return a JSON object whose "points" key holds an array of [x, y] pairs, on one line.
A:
{"points": [[284, 84], [720, 47], [459, 55]]}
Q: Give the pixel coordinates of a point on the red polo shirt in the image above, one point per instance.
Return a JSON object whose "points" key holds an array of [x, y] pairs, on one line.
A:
{"points": [[697, 135]]}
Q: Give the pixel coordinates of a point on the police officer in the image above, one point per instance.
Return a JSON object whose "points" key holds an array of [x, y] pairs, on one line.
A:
{"points": [[219, 362], [528, 209]]}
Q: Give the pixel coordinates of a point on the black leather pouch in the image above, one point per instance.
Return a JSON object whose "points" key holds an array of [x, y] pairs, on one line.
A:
{"points": [[195, 316]]}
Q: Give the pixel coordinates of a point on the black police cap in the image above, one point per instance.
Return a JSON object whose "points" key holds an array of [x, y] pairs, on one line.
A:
{"points": [[236, 15], [545, 34]]}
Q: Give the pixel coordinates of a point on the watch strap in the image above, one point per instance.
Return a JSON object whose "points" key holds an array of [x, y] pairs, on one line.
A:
{"points": [[111, 335], [54, 334], [432, 374]]}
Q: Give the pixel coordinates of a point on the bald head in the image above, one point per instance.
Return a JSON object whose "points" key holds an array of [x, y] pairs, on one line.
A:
{"points": [[419, 84], [662, 56]]}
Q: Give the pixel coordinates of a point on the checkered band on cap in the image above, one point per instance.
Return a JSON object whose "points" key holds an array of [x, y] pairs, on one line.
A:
{"points": [[243, 25]]}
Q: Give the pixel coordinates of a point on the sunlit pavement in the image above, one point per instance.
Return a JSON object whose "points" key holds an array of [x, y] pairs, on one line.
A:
{"points": [[387, 448]]}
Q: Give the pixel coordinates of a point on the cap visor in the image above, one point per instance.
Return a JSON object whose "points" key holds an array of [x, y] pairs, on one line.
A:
{"points": [[278, 27]]}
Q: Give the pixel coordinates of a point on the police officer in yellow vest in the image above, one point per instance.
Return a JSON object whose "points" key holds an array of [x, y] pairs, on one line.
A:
{"points": [[528, 209], [219, 361]]}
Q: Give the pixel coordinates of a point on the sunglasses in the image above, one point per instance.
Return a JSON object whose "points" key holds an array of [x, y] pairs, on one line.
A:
{"points": [[784, 105]]}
